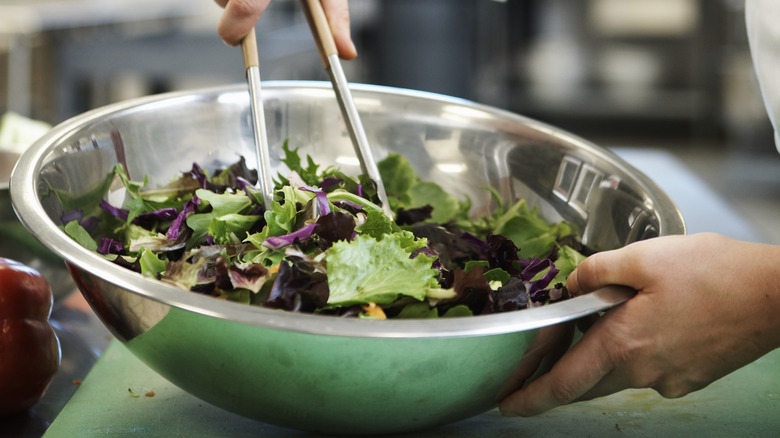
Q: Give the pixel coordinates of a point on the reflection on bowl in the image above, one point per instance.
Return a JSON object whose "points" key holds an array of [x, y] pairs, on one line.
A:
{"points": [[18, 244], [317, 372]]}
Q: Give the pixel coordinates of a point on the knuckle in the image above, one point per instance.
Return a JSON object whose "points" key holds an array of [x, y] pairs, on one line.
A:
{"points": [[242, 7], [671, 391], [678, 387], [563, 393]]}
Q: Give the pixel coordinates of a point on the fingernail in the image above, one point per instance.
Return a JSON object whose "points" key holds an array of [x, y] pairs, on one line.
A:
{"points": [[353, 49]]}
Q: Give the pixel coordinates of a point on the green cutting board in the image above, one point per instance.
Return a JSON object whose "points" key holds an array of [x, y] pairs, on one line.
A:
{"points": [[123, 397]]}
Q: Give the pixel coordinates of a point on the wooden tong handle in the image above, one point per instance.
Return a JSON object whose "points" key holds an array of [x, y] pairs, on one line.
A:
{"points": [[320, 28], [249, 50]]}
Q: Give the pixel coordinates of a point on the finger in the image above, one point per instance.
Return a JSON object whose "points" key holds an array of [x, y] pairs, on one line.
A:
{"points": [[549, 344], [624, 266], [238, 19], [611, 383], [337, 12], [221, 3], [570, 379]]}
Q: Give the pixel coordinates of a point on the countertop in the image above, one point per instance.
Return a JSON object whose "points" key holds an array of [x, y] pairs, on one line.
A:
{"points": [[103, 390], [123, 397]]}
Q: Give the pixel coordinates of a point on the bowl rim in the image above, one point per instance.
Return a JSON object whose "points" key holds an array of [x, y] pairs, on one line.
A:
{"points": [[35, 219]]}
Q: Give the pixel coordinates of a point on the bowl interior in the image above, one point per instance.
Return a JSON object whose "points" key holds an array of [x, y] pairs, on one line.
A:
{"points": [[18, 244], [461, 145]]}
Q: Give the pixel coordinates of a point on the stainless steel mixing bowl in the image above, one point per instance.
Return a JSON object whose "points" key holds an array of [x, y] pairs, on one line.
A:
{"points": [[323, 373], [18, 244]]}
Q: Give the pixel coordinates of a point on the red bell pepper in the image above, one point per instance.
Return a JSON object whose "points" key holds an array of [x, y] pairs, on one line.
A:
{"points": [[29, 349]]}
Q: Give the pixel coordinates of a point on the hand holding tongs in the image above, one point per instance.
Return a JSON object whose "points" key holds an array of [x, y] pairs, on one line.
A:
{"points": [[252, 67], [320, 28]]}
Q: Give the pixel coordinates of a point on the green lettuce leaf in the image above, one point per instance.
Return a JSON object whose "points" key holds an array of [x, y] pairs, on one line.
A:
{"points": [[377, 223], [568, 259], [281, 217], [231, 227], [310, 173], [398, 176], [418, 310], [529, 232], [446, 207], [87, 201], [406, 190], [225, 222], [369, 270], [458, 311], [80, 235], [224, 203], [151, 265]]}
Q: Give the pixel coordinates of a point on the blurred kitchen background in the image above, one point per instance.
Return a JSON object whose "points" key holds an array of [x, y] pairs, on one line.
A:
{"points": [[668, 74]]}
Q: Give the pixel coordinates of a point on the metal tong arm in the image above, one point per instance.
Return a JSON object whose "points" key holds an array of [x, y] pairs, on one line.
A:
{"points": [[326, 46], [252, 68]]}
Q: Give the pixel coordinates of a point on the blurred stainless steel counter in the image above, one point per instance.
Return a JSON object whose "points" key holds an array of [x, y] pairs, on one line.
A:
{"points": [[22, 20]]}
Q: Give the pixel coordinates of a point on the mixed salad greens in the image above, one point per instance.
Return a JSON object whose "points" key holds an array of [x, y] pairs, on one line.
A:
{"points": [[326, 246]]}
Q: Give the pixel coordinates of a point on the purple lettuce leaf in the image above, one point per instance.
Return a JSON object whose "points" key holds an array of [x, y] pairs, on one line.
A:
{"points": [[198, 173], [355, 207], [114, 211], [322, 199], [250, 277], [471, 289], [333, 227], [277, 242], [180, 220], [70, 216], [244, 184], [454, 251], [90, 223], [479, 245], [150, 218], [111, 246], [534, 266], [413, 215], [511, 296], [299, 287], [502, 253], [329, 182]]}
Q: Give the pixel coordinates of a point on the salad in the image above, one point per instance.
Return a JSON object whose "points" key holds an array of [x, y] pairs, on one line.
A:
{"points": [[325, 246]]}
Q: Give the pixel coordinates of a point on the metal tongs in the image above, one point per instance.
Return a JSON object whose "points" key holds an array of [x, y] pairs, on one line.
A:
{"points": [[252, 67], [326, 45]]}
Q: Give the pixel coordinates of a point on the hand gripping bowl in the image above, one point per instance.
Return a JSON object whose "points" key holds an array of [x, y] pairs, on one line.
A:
{"points": [[322, 373]]}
